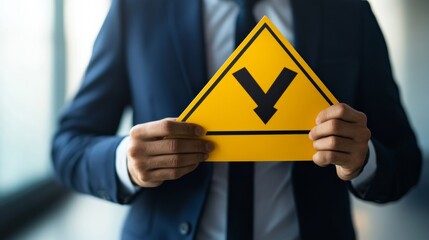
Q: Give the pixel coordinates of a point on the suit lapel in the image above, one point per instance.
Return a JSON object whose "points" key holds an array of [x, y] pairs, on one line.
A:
{"points": [[187, 31], [308, 29], [187, 25]]}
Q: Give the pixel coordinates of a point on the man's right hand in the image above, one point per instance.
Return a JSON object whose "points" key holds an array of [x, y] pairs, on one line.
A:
{"points": [[165, 150]]}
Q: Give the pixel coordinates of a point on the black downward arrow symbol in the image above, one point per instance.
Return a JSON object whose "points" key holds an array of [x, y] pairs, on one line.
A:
{"points": [[265, 101]]}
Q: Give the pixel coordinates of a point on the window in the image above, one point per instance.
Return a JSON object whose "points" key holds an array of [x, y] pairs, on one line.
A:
{"points": [[28, 80], [26, 116], [38, 71]]}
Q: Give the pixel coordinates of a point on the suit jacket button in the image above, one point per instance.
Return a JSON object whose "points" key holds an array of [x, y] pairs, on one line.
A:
{"points": [[185, 228]]}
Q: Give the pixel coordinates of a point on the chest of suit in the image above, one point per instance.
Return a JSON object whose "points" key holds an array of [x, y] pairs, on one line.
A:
{"points": [[167, 62]]}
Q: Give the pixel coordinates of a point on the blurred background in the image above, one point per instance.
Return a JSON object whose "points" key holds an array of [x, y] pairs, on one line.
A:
{"points": [[45, 46]]}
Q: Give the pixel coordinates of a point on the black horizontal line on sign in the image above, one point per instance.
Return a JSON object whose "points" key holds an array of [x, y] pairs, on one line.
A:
{"points": [[289, 132]]}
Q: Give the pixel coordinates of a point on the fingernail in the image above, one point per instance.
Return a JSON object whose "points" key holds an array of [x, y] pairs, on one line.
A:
{"points": [[199, 131], [310, 134], [318, 120], [209, 146]]}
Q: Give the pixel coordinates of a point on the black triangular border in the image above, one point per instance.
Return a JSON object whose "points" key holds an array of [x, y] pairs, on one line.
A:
{"points": [[275, 132]]}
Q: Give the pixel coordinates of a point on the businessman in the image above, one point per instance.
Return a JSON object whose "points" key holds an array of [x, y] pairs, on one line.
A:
{"points": [[155, 56]]}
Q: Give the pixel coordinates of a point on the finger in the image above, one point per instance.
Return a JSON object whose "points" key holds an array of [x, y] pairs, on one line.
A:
{"points": [[175, 160], [166, 127], [341, 111], [333, 143], [347, 174], [163, 174], [150, 184], [176, 146], [325, 158], [336, 127], [139, 176]]}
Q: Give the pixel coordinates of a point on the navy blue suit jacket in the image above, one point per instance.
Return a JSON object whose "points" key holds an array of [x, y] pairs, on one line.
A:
{"points": [[150, 55]]}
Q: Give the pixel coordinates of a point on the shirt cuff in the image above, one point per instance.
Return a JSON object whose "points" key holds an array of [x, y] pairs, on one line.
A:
{"points": [[362, 182], [125, 185]]}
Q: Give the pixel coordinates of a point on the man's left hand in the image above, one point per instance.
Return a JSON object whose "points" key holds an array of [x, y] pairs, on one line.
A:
{"points": [[341, 137]]}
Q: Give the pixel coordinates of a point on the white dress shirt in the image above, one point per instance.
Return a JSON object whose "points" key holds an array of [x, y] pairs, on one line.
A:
{"points": [[275, 214]]}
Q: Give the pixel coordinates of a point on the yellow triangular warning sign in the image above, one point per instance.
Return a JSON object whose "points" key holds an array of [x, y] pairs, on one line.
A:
{"points": [[263, 101]]}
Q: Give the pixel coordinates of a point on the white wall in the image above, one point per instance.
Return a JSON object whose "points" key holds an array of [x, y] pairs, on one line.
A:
{"points": [[405, 24]]}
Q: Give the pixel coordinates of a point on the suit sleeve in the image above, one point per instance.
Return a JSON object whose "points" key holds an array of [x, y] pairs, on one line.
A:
{"points": [[398, 156], [84, 146]]}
